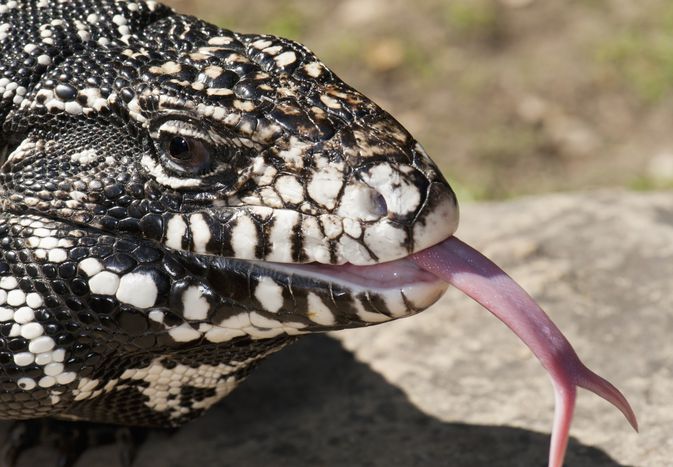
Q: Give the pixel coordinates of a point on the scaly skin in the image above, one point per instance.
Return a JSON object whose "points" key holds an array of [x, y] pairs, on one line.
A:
{"points": [[157, 171]]}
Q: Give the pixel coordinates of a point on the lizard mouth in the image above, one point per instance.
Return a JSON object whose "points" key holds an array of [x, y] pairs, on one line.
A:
{"points": [[369, 294], [390, 275]]}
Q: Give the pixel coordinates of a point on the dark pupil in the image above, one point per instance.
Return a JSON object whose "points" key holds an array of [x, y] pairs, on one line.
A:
{"points": [[179, 148]]}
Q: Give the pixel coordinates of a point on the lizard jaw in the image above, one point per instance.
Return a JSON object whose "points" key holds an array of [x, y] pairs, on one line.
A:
{"points": [[357, 295]]}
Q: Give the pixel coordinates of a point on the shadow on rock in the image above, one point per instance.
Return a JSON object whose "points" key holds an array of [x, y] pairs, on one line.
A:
{"points": [[313, 404]]}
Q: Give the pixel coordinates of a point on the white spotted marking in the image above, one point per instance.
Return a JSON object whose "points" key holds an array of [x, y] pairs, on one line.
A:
{"points": [[31, 330], [184, 333], [314, 69], [220, 40], [104, 283], [84, 157], [325, 186], [24, 315], [46, 381], [269, 294], [262, 44], [9, 282], [318, 312], [194, 304], [24, 358], [73, 108], [157, 316], [48, 243], [90, 266], [58, 355], [16, 297], [41, 344], [26, 383], [137, 289], [57, 255], [34, 300], [273, 50], [44, 358], [6, 314], [53, 369], [289, 189], [167, 68], [66, 377], [218, 334]]}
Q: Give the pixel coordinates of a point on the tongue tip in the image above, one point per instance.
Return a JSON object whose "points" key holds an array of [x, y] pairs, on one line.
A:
{"points": [[468, 270], [565, 391], [603, 388]]}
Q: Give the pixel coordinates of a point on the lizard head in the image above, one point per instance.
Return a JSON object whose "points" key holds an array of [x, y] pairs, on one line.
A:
{"points": [[244, 153]]}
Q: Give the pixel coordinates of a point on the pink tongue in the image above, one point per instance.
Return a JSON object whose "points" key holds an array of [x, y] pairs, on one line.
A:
{"points": [[475, 275]]}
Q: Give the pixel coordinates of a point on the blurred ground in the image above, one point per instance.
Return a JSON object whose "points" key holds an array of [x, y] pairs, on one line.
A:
{"points": [[508, 96]]}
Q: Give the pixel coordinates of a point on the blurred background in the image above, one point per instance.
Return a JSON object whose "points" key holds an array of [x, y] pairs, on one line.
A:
{"points": [[509, 97]]}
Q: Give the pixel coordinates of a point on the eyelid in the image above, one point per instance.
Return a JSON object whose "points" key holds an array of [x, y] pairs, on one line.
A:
{"points": [[180, 128]]}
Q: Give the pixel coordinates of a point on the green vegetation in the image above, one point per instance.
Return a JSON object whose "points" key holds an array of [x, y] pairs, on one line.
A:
{"points": [[646, 183], [288, 22], [474, 18], [641, 55], [506, 150]]}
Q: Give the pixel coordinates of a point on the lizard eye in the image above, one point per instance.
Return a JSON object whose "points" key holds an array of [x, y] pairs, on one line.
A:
{"points": [[179, 148], [186, 155]]}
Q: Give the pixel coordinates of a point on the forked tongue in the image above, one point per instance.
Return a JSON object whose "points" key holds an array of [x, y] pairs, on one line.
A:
{"points": [[475, 275]]}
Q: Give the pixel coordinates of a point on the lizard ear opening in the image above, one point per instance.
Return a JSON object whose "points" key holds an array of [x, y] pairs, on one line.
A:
{"points": [[6, 148]]}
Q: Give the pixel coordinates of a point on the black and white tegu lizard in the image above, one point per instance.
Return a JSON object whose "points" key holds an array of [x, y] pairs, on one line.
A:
{"points": [[179, 201]]}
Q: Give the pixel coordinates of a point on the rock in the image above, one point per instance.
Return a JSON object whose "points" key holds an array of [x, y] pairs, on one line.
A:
{"points": [[660, 167], [453, 386]]}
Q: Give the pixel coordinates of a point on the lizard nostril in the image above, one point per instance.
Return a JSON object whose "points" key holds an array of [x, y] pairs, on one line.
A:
{"points": [[379, 204]]}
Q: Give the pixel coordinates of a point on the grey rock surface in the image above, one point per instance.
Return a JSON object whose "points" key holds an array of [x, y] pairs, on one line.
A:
{"points": [[452, 386]]}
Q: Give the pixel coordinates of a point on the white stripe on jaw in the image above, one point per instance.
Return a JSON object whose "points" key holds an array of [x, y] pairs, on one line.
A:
{"points": [[244, 238], [175, 231], [200, 232]]}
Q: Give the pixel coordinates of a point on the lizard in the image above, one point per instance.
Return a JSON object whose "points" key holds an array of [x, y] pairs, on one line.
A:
{"points": [[179, 201]]}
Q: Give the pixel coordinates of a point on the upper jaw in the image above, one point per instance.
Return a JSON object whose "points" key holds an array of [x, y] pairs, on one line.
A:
{"points": [[289, 236]]}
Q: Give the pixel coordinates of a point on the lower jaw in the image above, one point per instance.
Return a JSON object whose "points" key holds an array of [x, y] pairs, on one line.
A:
{"points": [[380, 292]]}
